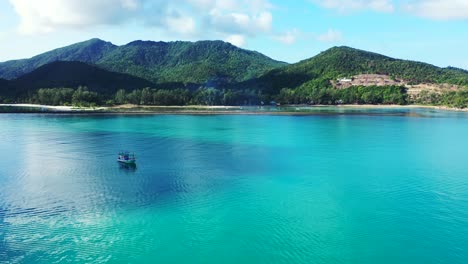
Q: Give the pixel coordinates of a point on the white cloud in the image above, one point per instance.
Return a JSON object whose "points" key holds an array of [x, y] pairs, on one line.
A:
{"points": [[130, 4], [185, 17], [239, 23], [439, 10], [181, 25], [214, 4], [331, 36], [48, 15], [236, 40], [249, 6], [346, 6], [289, 37]]}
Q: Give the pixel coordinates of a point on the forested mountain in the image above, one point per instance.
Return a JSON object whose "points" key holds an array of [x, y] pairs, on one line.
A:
{"points": [[341, 62], [200, 62], [215, 72], [188, 62], [74, 74], [90, 51]]}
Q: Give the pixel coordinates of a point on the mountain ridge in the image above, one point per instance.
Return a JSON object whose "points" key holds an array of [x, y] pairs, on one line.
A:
{"points": [[344, 61], [216, 72], [156, 61], [89, 51], [74, 74]]}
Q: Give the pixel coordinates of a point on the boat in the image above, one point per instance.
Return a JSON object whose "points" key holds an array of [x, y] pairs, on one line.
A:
{"points": [[126, 157]]}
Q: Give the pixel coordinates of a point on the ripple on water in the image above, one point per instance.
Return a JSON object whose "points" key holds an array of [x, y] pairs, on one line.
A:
{"points": [[234, 189]]}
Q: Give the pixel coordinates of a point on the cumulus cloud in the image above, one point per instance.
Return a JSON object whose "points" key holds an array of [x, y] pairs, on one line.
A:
{"points": [[346, 6], [236, 40], [289, 37], [331, 36], [48, 15], [250, 6], [186, 17], [182, 25], [240, 23], [439, 10], [235, 17]]}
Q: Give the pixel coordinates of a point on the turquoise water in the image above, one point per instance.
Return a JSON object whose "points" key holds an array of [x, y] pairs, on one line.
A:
{"points": [[385, 186]]}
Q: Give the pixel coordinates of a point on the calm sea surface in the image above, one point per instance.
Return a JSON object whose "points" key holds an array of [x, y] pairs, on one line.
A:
{"points": [[364, 186]]}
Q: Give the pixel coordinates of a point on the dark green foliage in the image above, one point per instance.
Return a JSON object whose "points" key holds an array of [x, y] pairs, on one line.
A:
{"points": [[457, 99], [207, 96], [90, 51], [201, 96], [210, 96], [200, 62], [353, 95], [66, 96], [214, 73], [74, 74], [6, 91], [55, 96], [120, 97], [187, 62], [83, 97], [171, 97], [149, 96], [346, 62], [3, 83]]}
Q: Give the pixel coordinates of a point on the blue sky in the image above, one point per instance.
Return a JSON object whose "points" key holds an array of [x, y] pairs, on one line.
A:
{"points": [[433, 31]]}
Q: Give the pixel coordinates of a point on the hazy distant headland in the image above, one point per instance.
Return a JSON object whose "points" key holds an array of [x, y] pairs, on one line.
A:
{"points": [[98, 73]]}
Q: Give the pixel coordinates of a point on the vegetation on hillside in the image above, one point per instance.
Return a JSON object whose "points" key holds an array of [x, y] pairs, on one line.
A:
{"points": [[217, 73], [200, 62], [7, 92], [74, 74], [67, 96], [353, 95], [339, 62], [186, 62], [82, 96], [458, 99], [90, 51]]}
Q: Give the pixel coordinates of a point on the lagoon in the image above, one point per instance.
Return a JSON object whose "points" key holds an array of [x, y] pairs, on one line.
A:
{"points": [[347, 186]]}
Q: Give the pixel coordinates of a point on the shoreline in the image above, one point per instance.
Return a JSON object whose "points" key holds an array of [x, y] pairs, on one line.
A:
{"points": [[436, 107], [201, 109]]}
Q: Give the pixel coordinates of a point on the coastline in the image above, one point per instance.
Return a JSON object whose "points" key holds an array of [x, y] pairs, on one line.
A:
{"points": [[201, 109], [436, 107], [56, 108]]}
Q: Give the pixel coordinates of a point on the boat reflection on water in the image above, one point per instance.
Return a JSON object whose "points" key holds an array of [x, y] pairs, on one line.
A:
{"points": [[131, 167]]}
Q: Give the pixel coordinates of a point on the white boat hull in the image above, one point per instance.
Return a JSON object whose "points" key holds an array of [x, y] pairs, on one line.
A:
{"points": [[126, 161]]}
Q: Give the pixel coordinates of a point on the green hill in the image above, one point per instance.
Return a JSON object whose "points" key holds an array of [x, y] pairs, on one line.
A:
{"points": [[187, 62], [75, 74], [199, 62], [218, 73], [90, 51], [346, 62]]}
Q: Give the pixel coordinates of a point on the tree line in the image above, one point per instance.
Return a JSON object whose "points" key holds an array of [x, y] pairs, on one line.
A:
{"points": [[307, 94], [458, 99], [352, 95], [82, 96]]}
